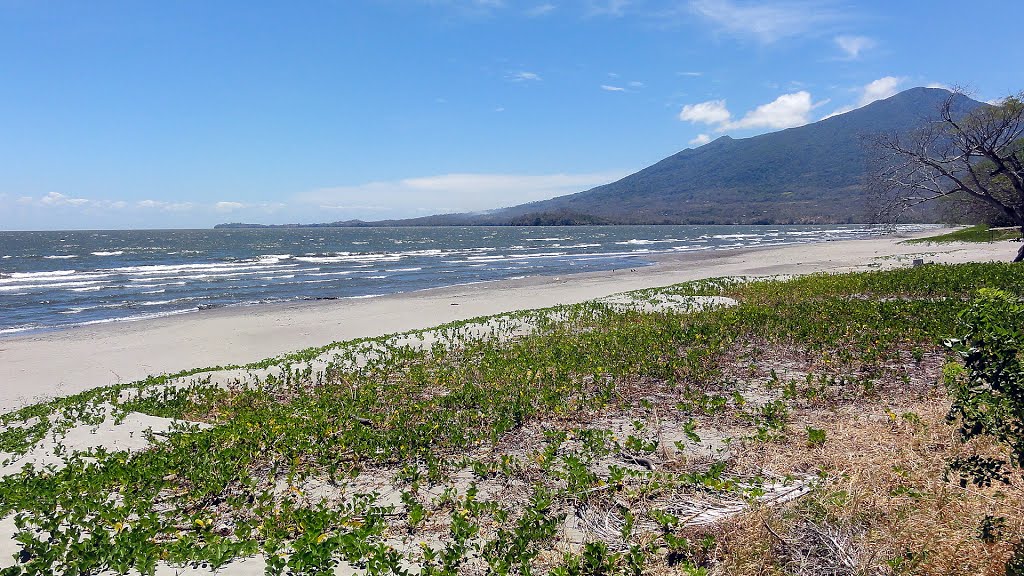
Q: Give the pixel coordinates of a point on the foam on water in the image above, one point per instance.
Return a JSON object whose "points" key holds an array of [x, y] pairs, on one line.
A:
{"points": [[110, 277]]}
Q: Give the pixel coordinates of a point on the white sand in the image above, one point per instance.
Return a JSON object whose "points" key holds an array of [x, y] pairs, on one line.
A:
{"points": [[41, 366]]}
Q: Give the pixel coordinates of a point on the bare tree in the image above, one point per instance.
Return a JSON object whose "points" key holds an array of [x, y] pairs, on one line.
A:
{"points": [[977, 155]]}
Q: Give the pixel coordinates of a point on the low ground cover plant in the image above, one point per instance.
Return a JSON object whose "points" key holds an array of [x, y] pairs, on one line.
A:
{"points": [[977, 233], [799, 431]]}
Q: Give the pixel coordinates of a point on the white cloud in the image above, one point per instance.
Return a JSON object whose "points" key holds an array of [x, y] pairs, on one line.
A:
{"points": [[540, 10], [523, 76], [767, 22], [165, 206], [56, 210], [612, 88], [700, 140], [636, 84], [875, 90], [879, 89], [228, 206], [939, 85], [710, 112], [786, 111], [690, 74], [461, 192], [58, 199]]}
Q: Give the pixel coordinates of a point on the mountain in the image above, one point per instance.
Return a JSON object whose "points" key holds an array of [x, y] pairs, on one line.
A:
{"points": [[812, 173], [808, 174]]}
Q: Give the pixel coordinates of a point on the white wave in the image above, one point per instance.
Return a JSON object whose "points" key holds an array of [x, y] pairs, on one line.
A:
{"points": [[403, 269], [46, 286], [111, 253], [342, 273], [171, 301], [156, 269], [272, 258], [429, 252], [34, 275], [22, 328], [90, 288], [350, 258], [151, 316], [60, 257], [180, 283], [640, 242]]}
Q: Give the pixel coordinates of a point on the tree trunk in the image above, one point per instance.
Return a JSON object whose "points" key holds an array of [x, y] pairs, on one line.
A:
{"points": [[1020, 253]]}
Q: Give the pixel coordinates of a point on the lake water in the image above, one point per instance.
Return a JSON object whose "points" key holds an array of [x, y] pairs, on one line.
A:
{"points": [[58, 279]]}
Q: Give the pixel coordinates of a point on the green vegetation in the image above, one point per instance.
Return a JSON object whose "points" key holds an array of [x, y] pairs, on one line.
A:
{"points": [[979, 233], [586, 439]]}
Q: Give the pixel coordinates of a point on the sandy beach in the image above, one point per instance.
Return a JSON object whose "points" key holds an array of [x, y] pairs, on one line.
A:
{"points": [[41, 366]]}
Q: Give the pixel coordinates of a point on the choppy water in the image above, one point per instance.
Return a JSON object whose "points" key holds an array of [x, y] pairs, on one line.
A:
{"points": [[58, 279]]}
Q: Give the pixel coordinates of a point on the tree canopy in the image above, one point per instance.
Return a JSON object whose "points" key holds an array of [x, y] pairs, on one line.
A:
{"points": [[976, 155]]}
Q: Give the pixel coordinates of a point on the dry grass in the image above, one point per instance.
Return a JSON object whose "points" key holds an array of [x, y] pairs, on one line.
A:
{"points": [[883, 506]]}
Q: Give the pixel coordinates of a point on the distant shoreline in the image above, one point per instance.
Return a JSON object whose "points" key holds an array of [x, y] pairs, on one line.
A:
{"points": [[455, 220]]}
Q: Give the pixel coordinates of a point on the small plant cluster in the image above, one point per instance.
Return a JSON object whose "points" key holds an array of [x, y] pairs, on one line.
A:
{"points": [[281, 465], [987, 388]]}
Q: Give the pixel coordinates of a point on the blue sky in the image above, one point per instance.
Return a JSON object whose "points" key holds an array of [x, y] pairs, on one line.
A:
{"points": [[189, 113]]}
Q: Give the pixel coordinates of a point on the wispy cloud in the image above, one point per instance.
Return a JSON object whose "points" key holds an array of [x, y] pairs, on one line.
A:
{"points": [[690, 74], [165, 206], [852, 46], [468, 8], [523, 76], [610, 8], [459, 192], [540, 10], [767, 22], [57, 200], [610, 88]]}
